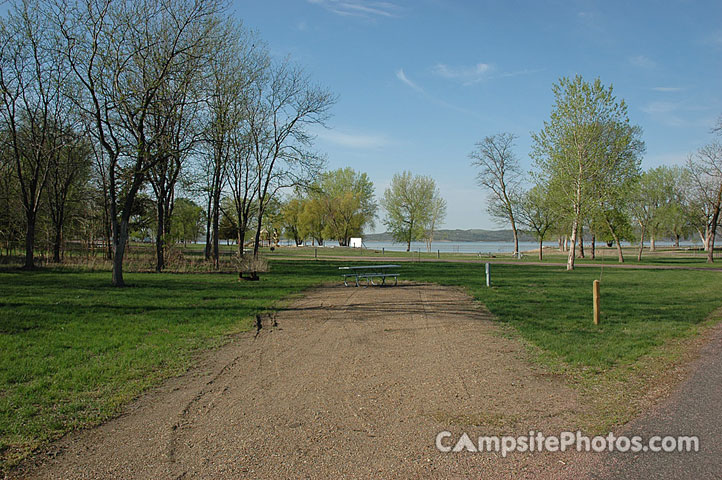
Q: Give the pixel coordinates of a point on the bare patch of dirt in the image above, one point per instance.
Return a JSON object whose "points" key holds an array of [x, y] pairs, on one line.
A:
{"points": [[346, 382]]}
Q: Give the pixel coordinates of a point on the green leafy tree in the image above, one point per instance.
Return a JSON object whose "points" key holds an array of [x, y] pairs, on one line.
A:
{"points": [[313, 220], [291, 214], [651, 204], [409, 203], [536, 212], [347, 198], [438, 214], [187, 221], [677, 220], [587, 145]]}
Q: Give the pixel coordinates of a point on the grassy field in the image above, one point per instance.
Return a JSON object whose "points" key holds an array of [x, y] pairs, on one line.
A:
{"points": [[552, 308], [75, 349], [189, 258]]}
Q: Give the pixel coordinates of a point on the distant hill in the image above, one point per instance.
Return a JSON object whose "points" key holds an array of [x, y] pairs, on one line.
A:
{"points": [[471, 235]]}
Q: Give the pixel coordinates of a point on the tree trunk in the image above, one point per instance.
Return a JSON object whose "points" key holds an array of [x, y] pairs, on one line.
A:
{"points": [[594, 247], [516, 238], [58, 241], [641, 244], [541, 246], [160, 238], [30, 242], [712, 231], [710, 249], [676, 240], [257, 243], [652, 244], [207, 251], [581, 242], [703, 237], [215, 220], [572, 247], [713, 227], [710, 246], [239, 242], [120, 240], [408, 241], [620, 254]]}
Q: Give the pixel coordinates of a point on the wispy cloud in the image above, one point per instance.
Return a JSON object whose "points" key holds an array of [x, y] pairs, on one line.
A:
{"points": [[402, 76], [442, 103], [660, 107], [471, 75], [642, 62], [467, 75], [359, 8], [356, 140], [667, 89], [679, 114]]}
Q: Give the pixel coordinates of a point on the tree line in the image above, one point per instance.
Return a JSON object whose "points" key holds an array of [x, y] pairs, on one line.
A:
{"points": [[588, 180], [341, 204], [110, 109], [166, 121]]}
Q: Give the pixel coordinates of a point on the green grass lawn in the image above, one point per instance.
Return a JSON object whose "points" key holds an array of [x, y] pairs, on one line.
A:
{"points": [[74, 349], [664, 256], [552, 308]]}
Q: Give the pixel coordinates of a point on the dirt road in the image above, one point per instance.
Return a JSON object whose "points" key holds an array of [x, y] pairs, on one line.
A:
{"points": [[353, 383]]}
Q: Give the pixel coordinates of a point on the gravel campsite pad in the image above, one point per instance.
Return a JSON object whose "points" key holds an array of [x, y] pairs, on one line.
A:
{"points": [[349, 382]]}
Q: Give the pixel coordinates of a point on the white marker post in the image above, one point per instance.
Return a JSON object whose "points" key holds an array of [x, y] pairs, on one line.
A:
{"points": [[488, 275]]}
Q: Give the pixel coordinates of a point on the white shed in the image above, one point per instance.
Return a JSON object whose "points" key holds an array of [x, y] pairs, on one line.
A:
{"points": [[356, 242]]}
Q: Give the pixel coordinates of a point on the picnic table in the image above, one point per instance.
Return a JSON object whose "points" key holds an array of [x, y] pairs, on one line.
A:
{"points": [[369, 272]]}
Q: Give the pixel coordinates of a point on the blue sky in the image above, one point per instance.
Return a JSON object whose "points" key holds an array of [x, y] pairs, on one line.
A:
{"points": [[419, 82]]}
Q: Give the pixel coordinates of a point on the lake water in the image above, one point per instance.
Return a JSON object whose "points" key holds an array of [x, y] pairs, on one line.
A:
{"points": [[485, 247], [456, 247]]}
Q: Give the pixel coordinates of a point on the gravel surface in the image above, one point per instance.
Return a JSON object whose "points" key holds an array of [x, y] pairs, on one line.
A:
{"points": [[350, 383]]}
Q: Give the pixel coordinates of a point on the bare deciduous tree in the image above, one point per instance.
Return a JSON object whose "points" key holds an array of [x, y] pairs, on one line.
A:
{"points": [[32, 105], [123, 53], [240, 62], [499, 173], [280, 110], [705, 167]]}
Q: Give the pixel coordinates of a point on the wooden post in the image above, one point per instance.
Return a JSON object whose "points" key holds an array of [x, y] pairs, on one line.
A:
{"points": [[315, 253], [488, 275], [438, 254], [595, 295]]}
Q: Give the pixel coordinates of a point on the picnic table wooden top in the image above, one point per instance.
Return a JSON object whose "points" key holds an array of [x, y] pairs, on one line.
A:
{"points": [[368, 267]]}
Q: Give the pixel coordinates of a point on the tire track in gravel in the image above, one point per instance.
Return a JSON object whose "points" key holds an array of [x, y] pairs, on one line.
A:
{"points": [[353, 383]]}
